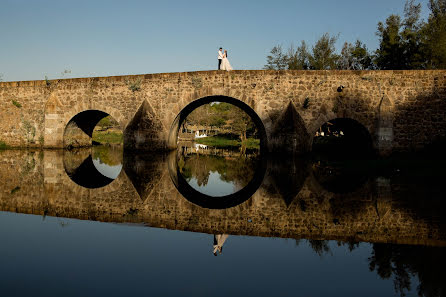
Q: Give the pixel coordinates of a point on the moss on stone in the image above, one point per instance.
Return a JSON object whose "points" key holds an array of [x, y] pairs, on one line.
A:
{"points": [[3, 145]]}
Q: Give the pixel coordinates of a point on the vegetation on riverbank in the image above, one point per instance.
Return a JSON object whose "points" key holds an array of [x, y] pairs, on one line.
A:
{"points": [[218, 141], [108, 137], [107, 131], [220, 118]]}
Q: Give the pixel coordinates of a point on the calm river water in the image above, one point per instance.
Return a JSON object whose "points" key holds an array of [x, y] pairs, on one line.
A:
{"points": [[203, 221]]}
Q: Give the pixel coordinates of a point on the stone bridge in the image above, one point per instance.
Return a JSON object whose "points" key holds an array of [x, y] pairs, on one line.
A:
{"points": [[402, 110]]}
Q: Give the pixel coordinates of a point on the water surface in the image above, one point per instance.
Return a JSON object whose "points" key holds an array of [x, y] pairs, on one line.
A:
{"points": [[103, 222]]}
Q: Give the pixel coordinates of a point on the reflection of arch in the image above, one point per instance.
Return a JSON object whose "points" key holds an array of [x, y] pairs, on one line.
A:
{"points": [[340, 178], [173, 133], [221, 202], [87, 176], [81, 168]]}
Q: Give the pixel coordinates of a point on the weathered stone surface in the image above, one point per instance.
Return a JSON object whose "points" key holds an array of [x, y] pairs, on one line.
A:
{"points": [[402, 110]]}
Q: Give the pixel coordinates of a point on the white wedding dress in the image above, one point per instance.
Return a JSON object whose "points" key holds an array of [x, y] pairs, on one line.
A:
{"points": [[225, 64]]}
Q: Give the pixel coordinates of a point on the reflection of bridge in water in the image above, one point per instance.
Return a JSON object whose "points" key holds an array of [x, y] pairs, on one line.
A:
{"points": [[291, 202]]}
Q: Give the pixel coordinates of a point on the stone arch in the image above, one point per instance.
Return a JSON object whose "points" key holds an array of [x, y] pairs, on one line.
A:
{"points": [[322, 119], [193, 104], [362, 142], [71, 112], [58, 115]]}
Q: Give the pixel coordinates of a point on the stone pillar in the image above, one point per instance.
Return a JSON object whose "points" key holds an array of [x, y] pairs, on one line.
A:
{"points": [[384, 131], [75, 136], [289, 134], [53, 133], [145, 131]]}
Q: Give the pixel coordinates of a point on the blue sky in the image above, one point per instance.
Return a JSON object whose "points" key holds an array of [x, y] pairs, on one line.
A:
{"points": [[103, 38]]}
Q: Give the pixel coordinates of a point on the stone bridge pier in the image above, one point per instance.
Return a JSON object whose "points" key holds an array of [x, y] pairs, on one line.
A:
{"points": [[401, 110]]}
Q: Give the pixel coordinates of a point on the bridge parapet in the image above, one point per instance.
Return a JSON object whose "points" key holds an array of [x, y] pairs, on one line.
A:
{"points": [[402, 110]]}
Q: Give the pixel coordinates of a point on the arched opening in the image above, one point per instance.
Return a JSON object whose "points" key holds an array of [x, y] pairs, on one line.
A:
{"points": [[218, 143], [342, 137], [341, 151], [92, 127], [181, 117], [95, 155]]}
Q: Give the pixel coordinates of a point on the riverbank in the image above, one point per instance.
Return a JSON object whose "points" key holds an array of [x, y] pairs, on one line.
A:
{"points": [[217, 141], [108, 137]]}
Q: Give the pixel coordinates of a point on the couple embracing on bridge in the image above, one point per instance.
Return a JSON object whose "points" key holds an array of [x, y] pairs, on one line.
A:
{"points": [[223, 62]]}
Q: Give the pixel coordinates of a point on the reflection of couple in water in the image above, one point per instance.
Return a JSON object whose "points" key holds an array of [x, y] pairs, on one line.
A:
{"points": [[219, 240]]}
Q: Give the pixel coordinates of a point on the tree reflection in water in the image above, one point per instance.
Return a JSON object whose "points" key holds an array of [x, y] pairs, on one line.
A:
{"points": [[233, 168], [402, 262]]}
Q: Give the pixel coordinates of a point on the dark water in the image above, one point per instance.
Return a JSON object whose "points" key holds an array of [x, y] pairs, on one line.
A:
{"points": [[102, 223]]}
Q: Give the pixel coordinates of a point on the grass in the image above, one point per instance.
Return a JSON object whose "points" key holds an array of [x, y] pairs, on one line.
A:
{"points": [[109, 137], [216, 141]]}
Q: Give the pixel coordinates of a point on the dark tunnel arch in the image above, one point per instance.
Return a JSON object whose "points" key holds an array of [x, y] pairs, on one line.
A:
{"points": [[79, 129], [342, 151], [173, 133], [88, 119], [343, 137]]}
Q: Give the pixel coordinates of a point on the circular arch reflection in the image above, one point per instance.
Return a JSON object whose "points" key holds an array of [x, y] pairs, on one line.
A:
{"points": [[207, 201]]}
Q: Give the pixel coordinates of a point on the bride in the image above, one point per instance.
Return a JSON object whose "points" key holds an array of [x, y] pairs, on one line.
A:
{"points": [[225, 62]]}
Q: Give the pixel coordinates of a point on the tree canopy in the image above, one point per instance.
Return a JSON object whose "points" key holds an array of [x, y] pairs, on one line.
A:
{"points": [[222, 116], [406, 42]]}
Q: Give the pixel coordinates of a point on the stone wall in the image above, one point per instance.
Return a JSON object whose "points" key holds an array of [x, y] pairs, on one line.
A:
{"points": [[402, 110]]}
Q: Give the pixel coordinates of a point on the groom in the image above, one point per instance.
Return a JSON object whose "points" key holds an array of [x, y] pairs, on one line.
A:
{"points": [[220, 57]]}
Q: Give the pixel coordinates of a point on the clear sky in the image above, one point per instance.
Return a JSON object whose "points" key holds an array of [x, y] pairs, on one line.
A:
{"points": [[41, 38]]}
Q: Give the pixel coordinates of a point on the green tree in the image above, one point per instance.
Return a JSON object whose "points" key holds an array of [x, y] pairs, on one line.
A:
{"points": [[277, 60], [389, 53], [411, 37], [434, 35], [324, 53], [355, 57], [298, 59]]}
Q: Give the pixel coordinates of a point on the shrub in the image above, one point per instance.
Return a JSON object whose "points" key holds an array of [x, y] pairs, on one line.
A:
{"points": [[17, 104], [134, 85]]}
